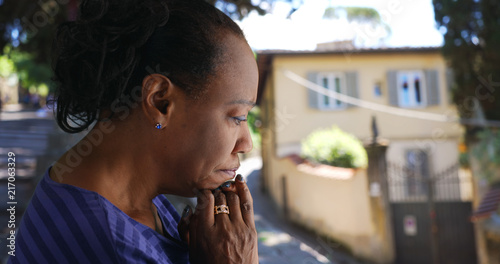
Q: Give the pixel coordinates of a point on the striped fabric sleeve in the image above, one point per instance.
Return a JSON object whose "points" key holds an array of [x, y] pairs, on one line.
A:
{"points": [[67, 224]]}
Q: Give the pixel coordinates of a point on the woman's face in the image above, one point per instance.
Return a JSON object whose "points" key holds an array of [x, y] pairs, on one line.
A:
{"points": [[206, 135]]}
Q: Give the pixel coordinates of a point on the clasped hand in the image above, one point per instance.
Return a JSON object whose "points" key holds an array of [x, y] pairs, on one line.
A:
{"points": [[222, 238]]}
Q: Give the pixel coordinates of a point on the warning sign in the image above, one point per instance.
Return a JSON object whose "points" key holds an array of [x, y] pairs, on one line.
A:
{"points": [[410, 225]]}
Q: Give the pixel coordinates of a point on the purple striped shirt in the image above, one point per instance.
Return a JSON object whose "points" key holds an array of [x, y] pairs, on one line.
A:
{"points": [[67, 224]]}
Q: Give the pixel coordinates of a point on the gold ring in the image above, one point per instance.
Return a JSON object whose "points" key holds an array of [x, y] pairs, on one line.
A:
{"points": [[221, 209]]}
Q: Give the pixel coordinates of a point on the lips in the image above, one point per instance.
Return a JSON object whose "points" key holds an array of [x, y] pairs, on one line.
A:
{"points": [[230, 172]]}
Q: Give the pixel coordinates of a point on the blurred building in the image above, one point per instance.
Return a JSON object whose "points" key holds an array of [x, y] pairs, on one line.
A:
{"points": [[407, 90], [407, 78]]}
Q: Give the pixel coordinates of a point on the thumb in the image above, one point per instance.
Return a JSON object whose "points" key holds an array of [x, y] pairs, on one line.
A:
{"points": [[183, 226]]}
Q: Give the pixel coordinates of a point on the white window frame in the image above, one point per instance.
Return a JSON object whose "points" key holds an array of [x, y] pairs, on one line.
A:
{"points": [[412, 93], [343, 90]]}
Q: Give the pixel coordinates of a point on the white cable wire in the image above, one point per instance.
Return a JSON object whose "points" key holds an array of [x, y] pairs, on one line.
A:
{"points": [[478, 122], [369, 105]]}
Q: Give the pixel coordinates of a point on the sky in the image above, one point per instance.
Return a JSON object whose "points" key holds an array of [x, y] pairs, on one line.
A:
{"points": [[411, 21]]}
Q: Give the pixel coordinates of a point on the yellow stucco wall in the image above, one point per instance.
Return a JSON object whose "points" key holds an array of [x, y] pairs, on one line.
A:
{"points": [[337, 208], [296, 120]]}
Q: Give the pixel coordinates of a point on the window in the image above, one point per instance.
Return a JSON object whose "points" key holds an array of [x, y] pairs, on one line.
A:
{"points": [[333, 82], [416, 88], [411, 89], [377, 91], [340, 82]]}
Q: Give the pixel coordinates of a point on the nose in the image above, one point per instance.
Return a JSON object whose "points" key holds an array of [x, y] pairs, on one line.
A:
{"points": [[244, 143]]}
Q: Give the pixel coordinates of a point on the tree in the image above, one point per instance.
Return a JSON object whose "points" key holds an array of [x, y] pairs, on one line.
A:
{"points": [[30, 25], [370, 28], [471, 39], [239, 9], [27, 28]]}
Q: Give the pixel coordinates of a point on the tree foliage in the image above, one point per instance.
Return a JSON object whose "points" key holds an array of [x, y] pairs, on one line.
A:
{"points": [[471, 47], [487, 154], [239, 9], [30, 73], [28, 27], [7, 66], [369, 24], [365, 14]]}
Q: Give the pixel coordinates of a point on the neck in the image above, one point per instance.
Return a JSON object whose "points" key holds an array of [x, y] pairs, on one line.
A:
{"points": [[111, 163]]}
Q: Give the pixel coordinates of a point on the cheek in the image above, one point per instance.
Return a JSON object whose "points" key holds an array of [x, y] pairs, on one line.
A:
{"points": [[206, 144], [217, 142]]}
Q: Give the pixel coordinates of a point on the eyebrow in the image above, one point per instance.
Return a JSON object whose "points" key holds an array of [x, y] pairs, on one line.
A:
{"points": [[245, 102]]}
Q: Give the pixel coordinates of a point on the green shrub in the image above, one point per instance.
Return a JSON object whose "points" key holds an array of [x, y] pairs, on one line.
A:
{"points": [[463, 160], [486, 152], [334, 147], [254, 123]]}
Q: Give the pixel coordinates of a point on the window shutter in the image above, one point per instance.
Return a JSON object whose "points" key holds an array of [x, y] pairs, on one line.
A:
{"points": [[431, 81], [392, 87], [351, 79], [312, 95], [450, 82]]}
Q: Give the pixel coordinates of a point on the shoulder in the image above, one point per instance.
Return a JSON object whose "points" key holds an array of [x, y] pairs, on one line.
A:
{"points": [[64, 222]]}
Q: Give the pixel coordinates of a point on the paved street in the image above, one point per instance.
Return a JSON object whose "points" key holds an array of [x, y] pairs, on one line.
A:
{"points": [[275, 245]]}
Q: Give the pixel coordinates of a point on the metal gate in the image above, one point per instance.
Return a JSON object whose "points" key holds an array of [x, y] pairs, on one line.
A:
{"points": [[431, 214]]}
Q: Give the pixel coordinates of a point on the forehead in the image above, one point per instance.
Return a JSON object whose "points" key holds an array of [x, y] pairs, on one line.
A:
{"points": [[236, 77]]}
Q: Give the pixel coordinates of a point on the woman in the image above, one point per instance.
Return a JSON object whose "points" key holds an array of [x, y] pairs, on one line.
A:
{"points": [[167, 86]]}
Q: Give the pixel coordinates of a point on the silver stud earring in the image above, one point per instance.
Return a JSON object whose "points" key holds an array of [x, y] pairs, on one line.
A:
{"points": [[158, 125]]}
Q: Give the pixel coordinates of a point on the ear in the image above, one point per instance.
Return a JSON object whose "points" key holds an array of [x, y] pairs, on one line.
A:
{"points": [[158, 93]]}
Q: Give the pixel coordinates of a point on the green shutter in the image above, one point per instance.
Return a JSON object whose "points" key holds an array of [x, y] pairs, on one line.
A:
{"points": [[432, 86], [352, 85], [312, 95], [392, 88]]}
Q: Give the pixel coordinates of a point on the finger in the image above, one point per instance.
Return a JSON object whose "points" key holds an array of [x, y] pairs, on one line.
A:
{"points": [[183, 226], [246, 201], [220, 199], [233, 201], [228, 186], [205, 207]]}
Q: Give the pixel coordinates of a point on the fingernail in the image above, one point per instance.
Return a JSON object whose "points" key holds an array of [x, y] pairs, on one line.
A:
{"points": [[186, 211], [226, 184], [240, 178]]}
